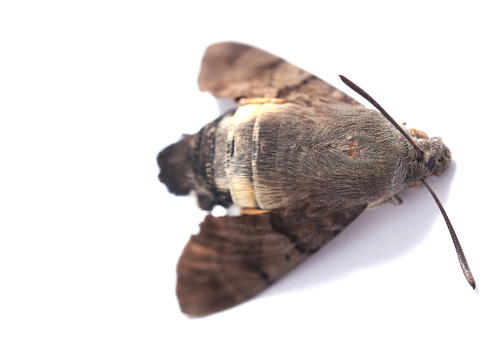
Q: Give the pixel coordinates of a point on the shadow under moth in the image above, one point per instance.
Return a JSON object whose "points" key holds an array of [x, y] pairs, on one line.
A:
{"points": [[300, 158]]}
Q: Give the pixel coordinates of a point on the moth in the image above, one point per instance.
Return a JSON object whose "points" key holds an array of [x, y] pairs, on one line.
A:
{"points": [[299, 157]]}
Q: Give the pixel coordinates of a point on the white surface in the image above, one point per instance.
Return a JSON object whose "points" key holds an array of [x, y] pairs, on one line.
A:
{"points": [[91, 91]]}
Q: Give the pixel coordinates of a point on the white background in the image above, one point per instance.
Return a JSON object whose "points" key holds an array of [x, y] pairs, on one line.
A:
{"points": [[90, 91]]}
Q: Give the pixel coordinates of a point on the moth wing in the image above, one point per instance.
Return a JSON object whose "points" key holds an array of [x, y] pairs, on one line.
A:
{"points": [[235, 70], [234, 258]]}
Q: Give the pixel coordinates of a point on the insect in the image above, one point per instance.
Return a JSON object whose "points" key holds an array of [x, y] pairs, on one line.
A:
{"points": [[299, 157]]}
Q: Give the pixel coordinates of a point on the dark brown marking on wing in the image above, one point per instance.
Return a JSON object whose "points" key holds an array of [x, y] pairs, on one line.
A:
{"points": [[292, 238], [275, 64], [283, 92]]}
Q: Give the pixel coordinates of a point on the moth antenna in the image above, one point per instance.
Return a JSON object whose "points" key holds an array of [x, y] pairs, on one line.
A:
{"points": [[458, 248], [374, 103]]}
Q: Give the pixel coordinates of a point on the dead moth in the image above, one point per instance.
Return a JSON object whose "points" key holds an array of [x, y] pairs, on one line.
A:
{"points": [[301, 158]]}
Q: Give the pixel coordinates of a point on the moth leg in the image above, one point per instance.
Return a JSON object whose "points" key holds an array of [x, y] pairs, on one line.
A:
{"points": [[252, 211], [260, 100], [394, 200]]}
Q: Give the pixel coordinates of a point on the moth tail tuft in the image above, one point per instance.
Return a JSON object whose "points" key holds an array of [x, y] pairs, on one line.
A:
{"points": [[175, 163]]}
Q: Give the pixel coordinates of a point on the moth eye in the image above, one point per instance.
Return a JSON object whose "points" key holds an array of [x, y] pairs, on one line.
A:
{"points": [[431, 163]]}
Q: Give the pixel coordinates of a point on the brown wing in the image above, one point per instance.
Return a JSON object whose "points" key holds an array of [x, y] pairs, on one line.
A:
{"points": [[236, 70], [234, 258]]}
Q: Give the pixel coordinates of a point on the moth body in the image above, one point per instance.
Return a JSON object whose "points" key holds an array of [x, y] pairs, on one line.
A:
{"points": [[272, 155]]}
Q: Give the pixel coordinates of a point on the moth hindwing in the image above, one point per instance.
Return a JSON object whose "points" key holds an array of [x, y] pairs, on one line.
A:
{"points": [[301, 158]]}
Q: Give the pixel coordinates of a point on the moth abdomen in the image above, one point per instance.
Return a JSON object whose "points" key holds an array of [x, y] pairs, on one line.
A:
{"points": [[222, 160], [219, 161]]}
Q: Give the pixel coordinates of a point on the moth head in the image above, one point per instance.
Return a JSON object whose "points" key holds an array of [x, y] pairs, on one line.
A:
{"points": [[434, 156]]}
